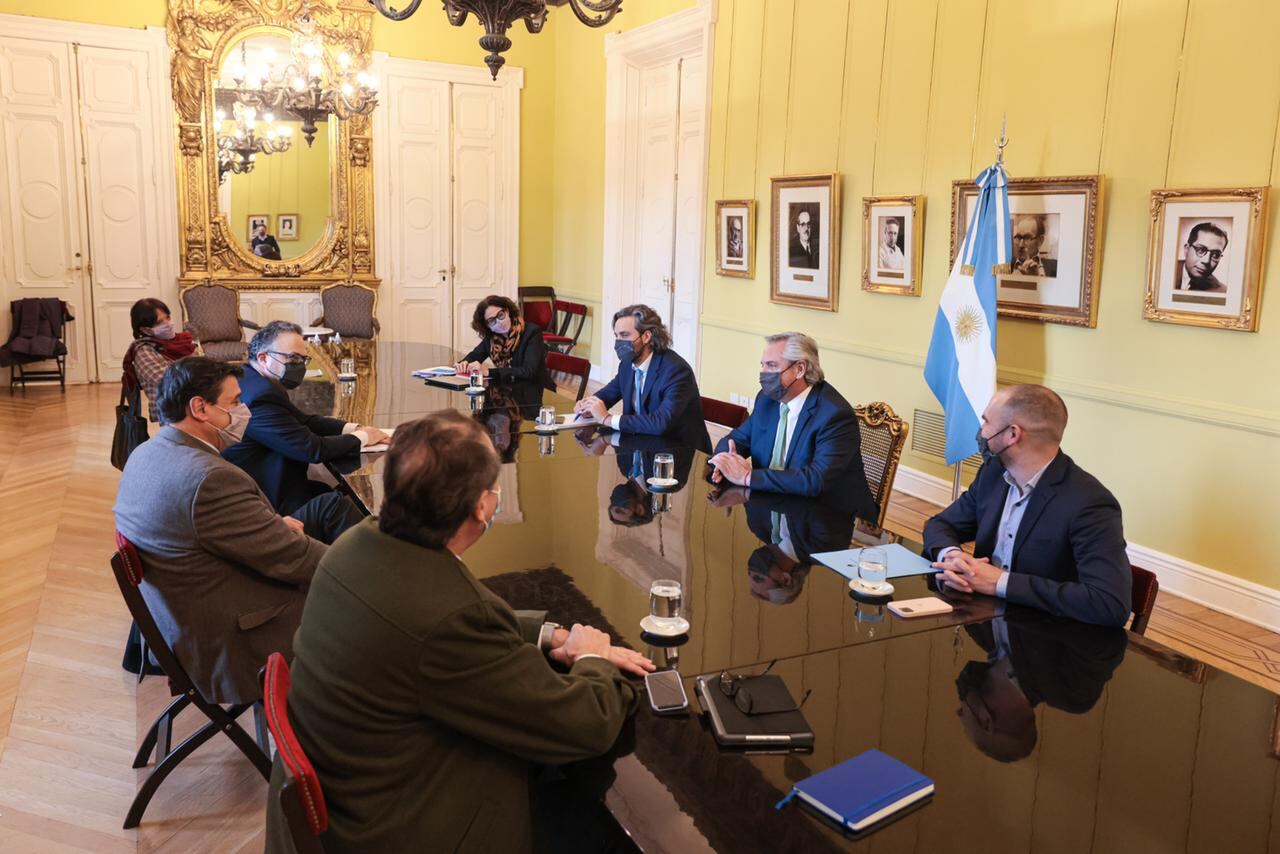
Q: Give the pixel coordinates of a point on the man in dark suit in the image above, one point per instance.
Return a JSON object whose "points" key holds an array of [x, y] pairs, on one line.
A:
{"points": [[802, 437], [423, 700], [1032, 658], [658, 390], [804, 243], [1200, 257], [226, 575], [1046, 533], [282, 440], [793, 529]]}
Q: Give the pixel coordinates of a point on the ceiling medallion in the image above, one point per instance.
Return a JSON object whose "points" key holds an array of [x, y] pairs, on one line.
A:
{"points": [[497, 16]]}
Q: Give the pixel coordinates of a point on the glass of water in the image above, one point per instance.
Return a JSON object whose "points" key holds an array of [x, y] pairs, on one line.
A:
{"points": [[347, 366], [873, 569], [477, 380], [666, 603], [547, 416], [664, 466]]}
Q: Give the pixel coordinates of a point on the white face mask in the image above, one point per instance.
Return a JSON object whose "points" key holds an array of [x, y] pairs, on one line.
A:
{"points": [[234, 432], [163, 331], [497, 508]]}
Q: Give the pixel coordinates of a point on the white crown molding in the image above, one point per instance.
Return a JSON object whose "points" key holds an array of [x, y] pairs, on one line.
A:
{"points": [[424, 69], [1183, 408], [1244, 600], [96, 35]]}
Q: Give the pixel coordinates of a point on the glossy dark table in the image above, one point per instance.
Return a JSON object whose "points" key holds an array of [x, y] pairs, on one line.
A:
{"points": [[1136, 749]]}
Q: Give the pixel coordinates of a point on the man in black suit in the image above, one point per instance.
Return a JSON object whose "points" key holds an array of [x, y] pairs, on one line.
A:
{"points": [[804, 243], [1046, 533], [281, 440], [658, 390]]}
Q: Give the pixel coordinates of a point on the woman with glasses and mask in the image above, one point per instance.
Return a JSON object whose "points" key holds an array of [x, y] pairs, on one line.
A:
{"points": [[157, 344], [516, 349]]}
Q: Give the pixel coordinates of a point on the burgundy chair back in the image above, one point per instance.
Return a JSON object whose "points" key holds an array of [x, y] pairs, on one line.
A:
{"points": [[1145, 589], [731, 415], [569, 314], [301, 798], [572, 365]]}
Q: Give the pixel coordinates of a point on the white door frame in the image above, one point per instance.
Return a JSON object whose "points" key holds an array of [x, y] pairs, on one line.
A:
{"points": [[691, 32], [153, 43], [510, 82]]}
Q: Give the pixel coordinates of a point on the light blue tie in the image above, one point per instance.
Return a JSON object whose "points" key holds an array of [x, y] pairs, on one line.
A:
{"points": [[639, 383], [777, 461]]}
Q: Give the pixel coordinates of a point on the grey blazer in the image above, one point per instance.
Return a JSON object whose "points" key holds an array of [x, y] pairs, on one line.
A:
{"points": [[225, 576]]}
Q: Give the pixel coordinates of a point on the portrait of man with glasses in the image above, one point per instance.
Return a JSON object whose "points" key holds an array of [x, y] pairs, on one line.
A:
{"points": [[804, 235], [1201, 254]]}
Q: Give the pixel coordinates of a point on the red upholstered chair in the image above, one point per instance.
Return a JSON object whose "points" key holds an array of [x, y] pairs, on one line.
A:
{"points": [[538, 305], [572, 365], [731, 415], [128, 569], [301, 799], [1145, 589], [568, 315]]}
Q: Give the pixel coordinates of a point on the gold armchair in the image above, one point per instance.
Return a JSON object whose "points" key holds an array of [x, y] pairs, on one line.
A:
{"points": [[883, 435]]}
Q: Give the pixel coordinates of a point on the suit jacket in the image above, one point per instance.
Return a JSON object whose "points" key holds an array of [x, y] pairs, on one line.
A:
{"points": [[670, 404], [629, 444], [800, 258], [813, 526], [423, 703], [1069, 555], [282, 440], [824, 459], [224, 575], [529, 362]]}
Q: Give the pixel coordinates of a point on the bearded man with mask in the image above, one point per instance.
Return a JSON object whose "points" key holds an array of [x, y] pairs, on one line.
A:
{"points": [[1046, 533], [282, 440], [658, 389], [802, 437], [224, 574], [422, 699]]}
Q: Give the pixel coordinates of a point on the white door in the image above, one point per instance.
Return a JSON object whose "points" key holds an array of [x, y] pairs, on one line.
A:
{"points": [[690, 209], [657, 127], [122, 180], [477, 201], [41, 201], [419, 224]]}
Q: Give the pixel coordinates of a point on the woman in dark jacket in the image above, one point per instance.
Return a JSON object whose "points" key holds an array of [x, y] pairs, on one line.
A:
{"points": [[516, 348], [156, 345]]}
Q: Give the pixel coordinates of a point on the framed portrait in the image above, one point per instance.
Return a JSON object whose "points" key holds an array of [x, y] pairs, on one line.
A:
{"points": [[805, 241], [1204, 266], [287, 226], [736, 238], [892, 244], [1054, 226], [256, 220]]}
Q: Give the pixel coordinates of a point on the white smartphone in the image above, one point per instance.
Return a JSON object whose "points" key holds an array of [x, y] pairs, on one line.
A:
{"points": [[929, 606], [666, 691]]}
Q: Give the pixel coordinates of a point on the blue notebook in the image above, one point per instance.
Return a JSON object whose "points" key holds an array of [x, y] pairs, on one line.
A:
{"points": [[901, 561], [863, 790]]}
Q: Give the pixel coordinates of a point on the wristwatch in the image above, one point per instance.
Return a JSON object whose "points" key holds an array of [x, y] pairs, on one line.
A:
{"points": [[545, 634]]}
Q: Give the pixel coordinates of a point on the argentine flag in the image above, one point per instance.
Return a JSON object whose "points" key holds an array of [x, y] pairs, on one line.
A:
{"points": [[961, 366]]}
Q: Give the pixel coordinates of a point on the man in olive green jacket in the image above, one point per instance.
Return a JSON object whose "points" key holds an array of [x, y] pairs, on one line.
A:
{"points": [[421, 698]]}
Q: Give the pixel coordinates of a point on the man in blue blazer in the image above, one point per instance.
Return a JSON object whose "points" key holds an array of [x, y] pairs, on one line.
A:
{"points": [[281, 440], [658, 390], [802, 437], [1046, 533]]}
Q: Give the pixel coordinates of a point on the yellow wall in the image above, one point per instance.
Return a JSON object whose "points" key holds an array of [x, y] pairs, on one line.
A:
{"points": [[290, 182]]}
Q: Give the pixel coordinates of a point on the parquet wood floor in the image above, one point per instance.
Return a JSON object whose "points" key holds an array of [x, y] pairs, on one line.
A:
{"points": [[70, 718]]}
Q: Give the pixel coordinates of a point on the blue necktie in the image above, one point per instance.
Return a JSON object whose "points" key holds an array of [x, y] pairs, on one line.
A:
{"points": [[639, 383]]}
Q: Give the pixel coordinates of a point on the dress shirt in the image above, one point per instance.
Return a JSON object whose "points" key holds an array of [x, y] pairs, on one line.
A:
{"points": [[793, 414], [891, 257]]}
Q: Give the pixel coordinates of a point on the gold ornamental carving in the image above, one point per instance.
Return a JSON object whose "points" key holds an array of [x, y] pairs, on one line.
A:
{"points": [[201, 33]]}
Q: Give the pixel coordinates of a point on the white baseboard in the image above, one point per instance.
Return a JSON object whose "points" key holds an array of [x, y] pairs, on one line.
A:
{"points": [[1244, 600]]}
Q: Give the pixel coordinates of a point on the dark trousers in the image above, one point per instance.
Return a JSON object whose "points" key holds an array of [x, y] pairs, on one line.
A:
{"points": [[326, 516]]}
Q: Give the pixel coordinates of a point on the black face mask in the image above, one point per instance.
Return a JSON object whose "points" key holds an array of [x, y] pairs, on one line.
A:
{"points": [[293, 374], [984, 444], [771, 385]]}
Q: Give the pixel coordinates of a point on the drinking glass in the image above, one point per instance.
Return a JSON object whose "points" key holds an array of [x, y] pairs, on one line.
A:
{"points": [[547, 416], [664, 466], [547, 445], [873, 569], [347, 366], [666, 603], [476, 380]]}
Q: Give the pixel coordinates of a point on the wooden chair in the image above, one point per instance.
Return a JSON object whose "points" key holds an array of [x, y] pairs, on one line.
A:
{"points": [[128, 569], [348, 309], [301, 799], [568, 314], [1145, 589], [214, 312], [730, 415], [537, 305], [572, 365], [883, 436]]}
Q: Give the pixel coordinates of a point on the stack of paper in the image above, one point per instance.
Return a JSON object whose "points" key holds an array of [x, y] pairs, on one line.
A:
{"points": [[429, 373]]}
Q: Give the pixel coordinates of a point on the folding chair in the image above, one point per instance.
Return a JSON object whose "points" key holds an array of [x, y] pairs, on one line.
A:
{"points": [[301, 799], [573, 365], [721, 412], [1145, 589]]}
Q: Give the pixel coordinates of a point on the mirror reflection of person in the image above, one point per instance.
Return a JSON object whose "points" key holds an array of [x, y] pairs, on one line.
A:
{"points": [[261, 238], [891, 257], [1032, 658], [792, 530], [804, 243], [631, 502], [735, 237], [1028, 238], [1201, 255]]}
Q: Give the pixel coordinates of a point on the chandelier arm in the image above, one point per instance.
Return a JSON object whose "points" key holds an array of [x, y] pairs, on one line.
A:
{"points": [[394, 14], [595, 14]]}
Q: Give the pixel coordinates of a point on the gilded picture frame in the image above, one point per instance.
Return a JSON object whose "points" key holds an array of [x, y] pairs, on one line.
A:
{"points": [[900, 219], [736, 258], [1056, 228], [804, 241], [1221, 287]]}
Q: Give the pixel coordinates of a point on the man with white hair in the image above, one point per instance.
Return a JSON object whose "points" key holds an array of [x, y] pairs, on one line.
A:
{"points": [[802, 437]]}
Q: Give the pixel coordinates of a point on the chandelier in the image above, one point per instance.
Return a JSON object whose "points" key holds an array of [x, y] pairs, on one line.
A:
{"points": [[239, 145], [310, 84], [497, 16]]}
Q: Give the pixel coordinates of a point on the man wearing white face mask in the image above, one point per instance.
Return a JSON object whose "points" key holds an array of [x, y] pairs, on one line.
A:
{"points": [[224, 574]]}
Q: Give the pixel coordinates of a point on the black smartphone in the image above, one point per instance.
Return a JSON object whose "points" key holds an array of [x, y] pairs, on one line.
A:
{"points": [[666, 691]]}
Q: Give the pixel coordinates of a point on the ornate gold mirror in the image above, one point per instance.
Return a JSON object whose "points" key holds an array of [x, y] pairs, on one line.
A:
{"points": [[275, 186]]}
